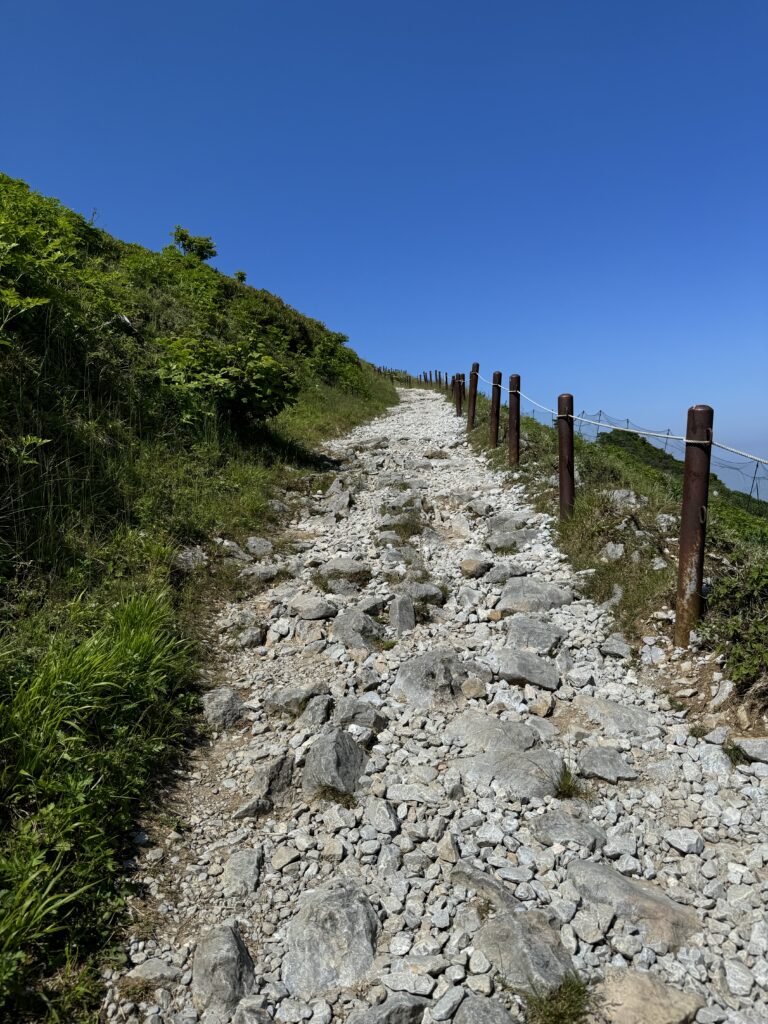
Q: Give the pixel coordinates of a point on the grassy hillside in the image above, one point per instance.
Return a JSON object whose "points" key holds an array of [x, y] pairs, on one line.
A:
{"points": [[736, 570], [147, 401]]}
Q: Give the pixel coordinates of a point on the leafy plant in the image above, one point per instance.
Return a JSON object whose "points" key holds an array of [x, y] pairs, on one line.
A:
{"points": [[200, 246]]}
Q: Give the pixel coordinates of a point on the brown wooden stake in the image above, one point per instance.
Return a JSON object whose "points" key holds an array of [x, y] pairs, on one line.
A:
{"points": [[472, 399], [566, 467], [495, 408], [693, 522], [459, 393], [514, 419]]}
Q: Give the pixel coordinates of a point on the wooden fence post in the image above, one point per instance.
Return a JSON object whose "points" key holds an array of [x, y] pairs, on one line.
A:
{"points": [[514, 419], [693, 522], [472, 399], [459, 393], [565, 443], [495, 408]]}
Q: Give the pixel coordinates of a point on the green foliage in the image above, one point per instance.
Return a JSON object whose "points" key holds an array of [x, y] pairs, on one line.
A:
{"points": [[570, 1003], [239, 276], [105, 347], [568, 786], [146, 400], [199, 246], [102, 710]]}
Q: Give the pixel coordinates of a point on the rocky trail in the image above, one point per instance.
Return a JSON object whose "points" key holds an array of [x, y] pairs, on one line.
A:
{"points": [[381, 828]]}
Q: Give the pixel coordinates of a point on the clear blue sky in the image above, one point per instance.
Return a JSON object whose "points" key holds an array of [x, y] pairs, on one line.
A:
{"points": [[575, 191]]}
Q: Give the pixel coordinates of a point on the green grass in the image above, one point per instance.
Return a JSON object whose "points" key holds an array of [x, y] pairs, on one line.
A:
{"points": [[736, 619], [570, 1003], [569, 787], [152, 402]]}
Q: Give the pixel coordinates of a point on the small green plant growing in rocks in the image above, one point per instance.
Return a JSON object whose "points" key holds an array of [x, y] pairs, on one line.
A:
{"points": [[698, 730], [568, 786], [570, 1003], [735, 754]]}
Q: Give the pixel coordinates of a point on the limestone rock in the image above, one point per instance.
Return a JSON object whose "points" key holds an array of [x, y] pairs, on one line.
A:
{"points": [[242, 872], [604, 763], [402, 615], [526, 595], [642, 903], [398, 1008], [259, 547], [431, 678], [481, 1010], [272, 778], [532, 634], [221, 707], [357, 630], [330, 941], [311, 607], [525, 950], [524, 667], [558, 826], [635, 997], [222, 971], [333, 766]]}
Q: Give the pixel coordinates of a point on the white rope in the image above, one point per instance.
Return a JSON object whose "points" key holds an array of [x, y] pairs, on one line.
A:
{"points": [[744, 455], [630, 430]]}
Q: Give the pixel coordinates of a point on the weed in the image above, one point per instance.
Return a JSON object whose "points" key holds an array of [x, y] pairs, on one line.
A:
{"points": [[387, 645], [735, 754], [568, 786], [570, 1003], [698, 731]]}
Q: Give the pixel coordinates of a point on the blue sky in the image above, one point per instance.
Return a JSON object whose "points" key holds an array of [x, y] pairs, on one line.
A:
{"points": [[575, 191]]}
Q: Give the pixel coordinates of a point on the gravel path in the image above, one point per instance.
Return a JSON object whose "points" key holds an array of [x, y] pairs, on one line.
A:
{"points": [[379, 831]]}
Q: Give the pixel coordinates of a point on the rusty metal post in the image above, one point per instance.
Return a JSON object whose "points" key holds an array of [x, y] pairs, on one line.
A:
{"points": [[472, 399], [693, 523], [495, 408], [565, 442], [514, 419]]}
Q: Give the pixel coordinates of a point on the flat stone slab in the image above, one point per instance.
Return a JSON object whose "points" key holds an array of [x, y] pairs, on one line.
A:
{"points": [[533, 635], [507, 753], [397, 1008], [481, 1010], [497, 892], [755, 749], [433, 678], [618, 719], [525, 950], [642, 903], [331, 941], [604, 763], [638, 997], [482, 732], [311, 607], [522, 594], [558, 826], [523, 667]]}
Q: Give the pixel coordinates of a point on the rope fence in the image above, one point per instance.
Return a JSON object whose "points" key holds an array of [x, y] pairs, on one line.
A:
{"points": [[695, 448]]}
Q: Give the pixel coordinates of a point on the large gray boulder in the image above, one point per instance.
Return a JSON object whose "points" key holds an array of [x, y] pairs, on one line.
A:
{"points": [[523, 667], [433, 678], [354, 711], [349, 569], [558, 826], [272, 778], [505, 753], [495, 891], [480, 1010], [525, 950], [333, 766], [522, 594], [531, 634], [605, 763], [357, 630], [311, 607], [618, 719], [639, 997], [242, 872], [222, 972], [291, 700], [421, 593], [398, 1008], [331, 941], [221, 707], [657, 916]]}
